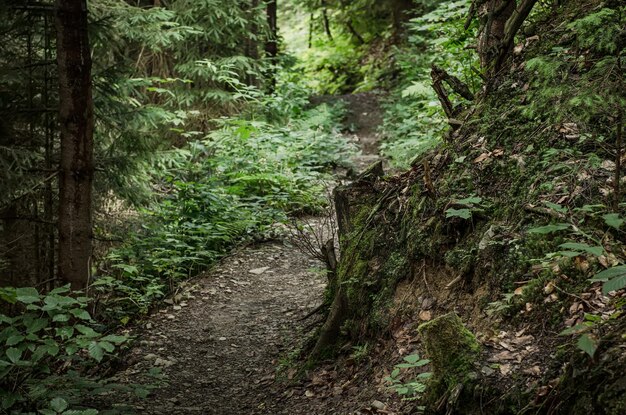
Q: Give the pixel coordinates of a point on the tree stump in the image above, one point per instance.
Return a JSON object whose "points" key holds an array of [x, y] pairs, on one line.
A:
{"points": [[453, 351]]}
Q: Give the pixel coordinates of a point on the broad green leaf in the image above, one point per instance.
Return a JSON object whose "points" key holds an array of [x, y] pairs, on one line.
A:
{"points": [[87, 331], [568, 254], [614, 284], [107, 346], [8, 399], [417, 89], [71, 349], [582, 247], [544, 230], [59, 404], [64, 332], [587, 344], [51, 347], [556, 207], [142, 392], [130, 269], [27, 295], [36, 325], [458, 213], [61, 318], [405, 365], [593, 318], [610, 273], [613, 220], [578, 328], [5, 319], [412, 358], [81, 314], [14, 354], [115, 339], [96, 351], [8, 294], [403, 390], [13, 340], [61, 290], [469, 201]]}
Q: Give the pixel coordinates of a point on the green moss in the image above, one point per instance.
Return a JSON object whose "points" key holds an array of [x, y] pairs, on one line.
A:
{"points": [[452, 349]]}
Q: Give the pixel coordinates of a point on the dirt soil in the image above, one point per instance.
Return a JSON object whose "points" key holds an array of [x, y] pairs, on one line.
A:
{"points": [[228, 341]]}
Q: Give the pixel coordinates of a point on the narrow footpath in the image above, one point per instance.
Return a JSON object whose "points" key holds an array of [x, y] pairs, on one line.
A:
{"points": [[221, 340]]}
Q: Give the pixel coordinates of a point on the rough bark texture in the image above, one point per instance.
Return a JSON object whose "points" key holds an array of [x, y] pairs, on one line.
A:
{"points": [[500, 20], [347, 205], [493, 15], [76, 126]]}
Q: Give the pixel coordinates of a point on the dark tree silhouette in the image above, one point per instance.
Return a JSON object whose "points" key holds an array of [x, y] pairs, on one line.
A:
{"points": [[76, 122]]}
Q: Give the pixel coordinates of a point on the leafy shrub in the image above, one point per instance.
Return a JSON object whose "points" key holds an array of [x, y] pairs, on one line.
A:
{"points": [[48, 349], [414, 120], [216, 192], [415, 387]]}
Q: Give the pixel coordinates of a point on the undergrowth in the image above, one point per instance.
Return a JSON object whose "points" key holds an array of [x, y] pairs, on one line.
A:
{"points": [[228, 187], [232, 185], [414, 121]]}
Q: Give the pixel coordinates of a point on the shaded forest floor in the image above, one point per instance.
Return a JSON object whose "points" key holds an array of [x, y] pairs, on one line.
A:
{"points": [[227, 342]]}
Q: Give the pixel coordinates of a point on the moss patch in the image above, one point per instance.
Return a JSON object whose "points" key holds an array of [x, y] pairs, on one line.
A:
{"points": [[452, 349]]}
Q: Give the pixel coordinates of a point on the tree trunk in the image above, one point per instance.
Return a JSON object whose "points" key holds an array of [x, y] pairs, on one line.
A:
{"points": [[493, 15], [76, 125], [500, 20], [271, 47], [326, 21], [400, 14], [354, 32], [252, 47]]}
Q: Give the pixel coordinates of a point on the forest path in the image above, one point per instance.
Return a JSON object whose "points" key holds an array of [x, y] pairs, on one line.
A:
{"points": [[225, 334]]}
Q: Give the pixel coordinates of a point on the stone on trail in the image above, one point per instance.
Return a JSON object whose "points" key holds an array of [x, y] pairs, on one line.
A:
{"points": [[258, 271]]}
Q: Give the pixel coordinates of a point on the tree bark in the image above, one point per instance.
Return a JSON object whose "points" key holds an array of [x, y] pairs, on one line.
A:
{"points": [[400, 14], [76, 126], [354, 32], [326, 21], [252, 47], [271, 46], [500, 20]]}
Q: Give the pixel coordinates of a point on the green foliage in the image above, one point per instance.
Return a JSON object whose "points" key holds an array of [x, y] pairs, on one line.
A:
{"points": [[567, 79], [600, 31], [415, 387], [471, 205], [586, 341], [332, 67], [48, 348], [230, 186], [414, 121], [614, 278]]}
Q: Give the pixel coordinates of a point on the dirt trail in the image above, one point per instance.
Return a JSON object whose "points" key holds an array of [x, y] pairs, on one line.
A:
{"points": [[221, 342]]}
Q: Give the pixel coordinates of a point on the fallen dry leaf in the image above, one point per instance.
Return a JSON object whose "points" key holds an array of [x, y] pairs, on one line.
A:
{"points": [[481, 158], [425, 315]]}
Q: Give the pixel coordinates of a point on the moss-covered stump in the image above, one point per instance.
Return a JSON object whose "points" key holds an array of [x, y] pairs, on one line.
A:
{"points": [[453, 351]]}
